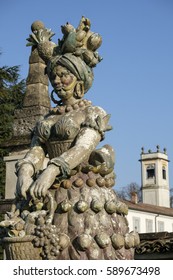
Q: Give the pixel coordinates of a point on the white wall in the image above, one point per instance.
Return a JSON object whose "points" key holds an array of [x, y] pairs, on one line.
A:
{"points": [[144, 218]]}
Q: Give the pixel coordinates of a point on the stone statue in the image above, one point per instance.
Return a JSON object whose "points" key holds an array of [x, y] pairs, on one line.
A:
{"points": [[69, 210]]}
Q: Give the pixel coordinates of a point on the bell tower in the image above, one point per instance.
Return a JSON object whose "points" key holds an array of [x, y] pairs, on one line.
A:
{"points": [[155, 177]]}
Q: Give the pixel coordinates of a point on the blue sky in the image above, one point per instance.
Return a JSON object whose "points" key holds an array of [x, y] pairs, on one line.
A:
{"points": [[134, 82]]}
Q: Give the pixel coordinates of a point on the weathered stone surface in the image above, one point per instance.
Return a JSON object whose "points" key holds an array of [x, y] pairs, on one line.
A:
{"points": [[5, 205], [36, 94], [69, 206], [24, 121], [37, 74], [34, 57]]}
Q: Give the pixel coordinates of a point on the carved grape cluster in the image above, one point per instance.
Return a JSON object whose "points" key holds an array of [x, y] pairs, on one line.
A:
{"points": [[47, 238]]}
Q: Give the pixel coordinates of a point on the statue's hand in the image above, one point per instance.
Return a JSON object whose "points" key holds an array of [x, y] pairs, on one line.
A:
{"points": [[23, 184], [45, 180], [24, 180]]}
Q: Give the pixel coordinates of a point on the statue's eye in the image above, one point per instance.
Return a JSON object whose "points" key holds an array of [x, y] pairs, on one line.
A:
{"points": [[64, 74]]}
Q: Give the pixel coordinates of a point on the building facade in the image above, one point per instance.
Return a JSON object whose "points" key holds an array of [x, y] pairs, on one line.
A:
{"points": [[153, 214], [155, 177], [147, 218]]}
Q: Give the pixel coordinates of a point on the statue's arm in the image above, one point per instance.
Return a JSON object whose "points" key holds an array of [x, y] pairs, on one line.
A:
{"points": [[27, 167], [33, 158], [91, 133], [86, 142], [61, 166]]}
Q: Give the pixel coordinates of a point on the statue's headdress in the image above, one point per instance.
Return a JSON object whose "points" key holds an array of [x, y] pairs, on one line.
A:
{"points": [[76, 50]]}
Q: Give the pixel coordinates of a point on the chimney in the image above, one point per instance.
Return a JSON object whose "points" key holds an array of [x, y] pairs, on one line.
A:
{"points": [[134, 197]]}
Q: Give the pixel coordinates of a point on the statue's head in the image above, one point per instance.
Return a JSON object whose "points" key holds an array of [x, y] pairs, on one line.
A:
{"points": [[75, 67], [75, 55]]}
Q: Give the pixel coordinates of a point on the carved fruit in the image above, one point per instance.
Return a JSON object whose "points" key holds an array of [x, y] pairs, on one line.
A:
{"points": [[40, 221], [110, 207], [65, 206], [36, 242], [66, 184], [100, 182], [90, 182], [117, 241], [78, 182], [39, 205], [129, 241], [80, 35], [96, 205], [84, 241], [122, 208], [108, 183], [37, 25], [112, 182], [69, 108], [64, 241], [81, 103], [136, 237], [94, 41], [102, 239], [19, 226], [46, 49], [82, 206]]}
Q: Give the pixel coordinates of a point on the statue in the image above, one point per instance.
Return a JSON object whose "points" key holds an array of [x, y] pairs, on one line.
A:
{"points": [[68, 210]]}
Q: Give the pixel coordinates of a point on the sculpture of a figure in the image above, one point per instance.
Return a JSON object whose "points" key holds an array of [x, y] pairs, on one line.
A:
{"points": [[70, 207]]}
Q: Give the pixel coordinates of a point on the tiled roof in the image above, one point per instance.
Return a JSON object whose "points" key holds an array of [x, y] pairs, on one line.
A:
{"points": [[149, 208], [155, 246]]}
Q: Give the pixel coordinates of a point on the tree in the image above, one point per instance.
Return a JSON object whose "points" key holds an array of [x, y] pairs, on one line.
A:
{"points": [[126, 192], [11, 97]]}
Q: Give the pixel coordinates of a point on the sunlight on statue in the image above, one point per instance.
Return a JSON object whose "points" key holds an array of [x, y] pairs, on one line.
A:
{"points": [[69, 210]]}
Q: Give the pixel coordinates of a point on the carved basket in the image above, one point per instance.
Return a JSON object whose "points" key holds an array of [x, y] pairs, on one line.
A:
{"points": [[20, 248], [56, 148]]}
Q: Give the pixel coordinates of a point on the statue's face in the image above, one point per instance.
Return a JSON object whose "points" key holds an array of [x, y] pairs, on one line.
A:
{"points": [[63, 82]]}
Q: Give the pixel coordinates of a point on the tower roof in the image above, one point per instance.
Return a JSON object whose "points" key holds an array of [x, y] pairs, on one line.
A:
{"points": [[150, 155]]}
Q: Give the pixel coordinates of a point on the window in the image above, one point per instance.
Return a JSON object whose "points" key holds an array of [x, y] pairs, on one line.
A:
{"points": [[149, 225], [136, 224], [160, 226], [150, 171], [164, 172]]}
